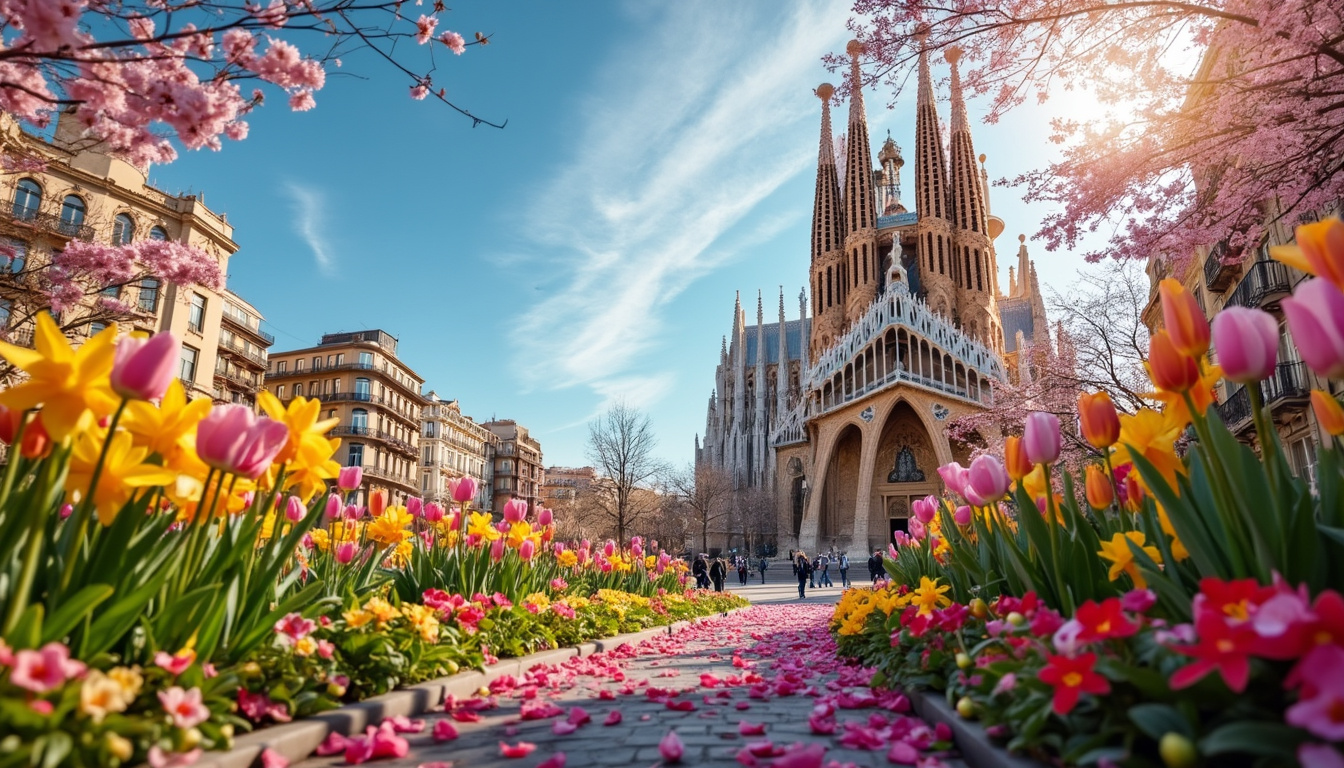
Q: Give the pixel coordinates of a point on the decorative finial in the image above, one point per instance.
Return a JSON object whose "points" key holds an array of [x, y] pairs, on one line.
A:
{"points": [[922, 33], [825, 91], [982, 158], [1021, 238], [952, 54], [854, 48]]}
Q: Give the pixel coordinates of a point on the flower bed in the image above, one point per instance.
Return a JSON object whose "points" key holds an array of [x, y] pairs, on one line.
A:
{"points": [[174, 572], [1180, 604]]}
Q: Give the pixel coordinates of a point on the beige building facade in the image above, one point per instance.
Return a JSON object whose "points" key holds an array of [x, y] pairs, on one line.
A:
{"points": [[518, 471], [359, 380], [1252, 278], [566, 483], [79, 193], [453, 445], [240, 366]]}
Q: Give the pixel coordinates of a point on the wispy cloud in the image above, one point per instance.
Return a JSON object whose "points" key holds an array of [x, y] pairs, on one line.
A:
{"points": [[679, 146], [310, 224]]}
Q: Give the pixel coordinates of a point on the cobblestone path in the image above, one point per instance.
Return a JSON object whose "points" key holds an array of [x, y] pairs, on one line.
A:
{"points": [[760, 687]]}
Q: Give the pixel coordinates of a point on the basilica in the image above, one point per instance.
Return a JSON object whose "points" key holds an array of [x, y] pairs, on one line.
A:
{"points": [[842, 412]]}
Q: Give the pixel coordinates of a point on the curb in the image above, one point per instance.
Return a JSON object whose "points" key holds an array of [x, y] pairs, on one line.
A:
{"points": [[296, 741], [975, 746]]}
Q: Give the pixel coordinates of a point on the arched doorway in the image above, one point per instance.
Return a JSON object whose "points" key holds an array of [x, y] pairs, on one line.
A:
{"points": [[906, 469], [840, 490]]}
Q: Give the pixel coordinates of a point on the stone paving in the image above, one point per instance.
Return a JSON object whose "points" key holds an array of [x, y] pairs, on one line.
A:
{"points": [[738, 690]]}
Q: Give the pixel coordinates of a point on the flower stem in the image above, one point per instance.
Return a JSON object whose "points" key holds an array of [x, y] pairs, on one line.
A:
{"points": [[81, 516]]}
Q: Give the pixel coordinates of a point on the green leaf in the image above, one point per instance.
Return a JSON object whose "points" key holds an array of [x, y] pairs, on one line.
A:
{"points": [[1157, 720], [1254, 738], [73, 610]]}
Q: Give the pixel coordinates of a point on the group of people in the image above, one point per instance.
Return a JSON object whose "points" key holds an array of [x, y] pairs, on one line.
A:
{"points": [[816, 573], [714, 571]]}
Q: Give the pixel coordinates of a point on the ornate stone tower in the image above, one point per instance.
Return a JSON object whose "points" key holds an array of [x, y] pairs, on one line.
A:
{"points": [[828, 239], [933, 233], [975, 272], [860, 265]]}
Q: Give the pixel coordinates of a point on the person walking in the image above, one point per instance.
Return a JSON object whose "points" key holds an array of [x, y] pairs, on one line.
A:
{"points": [[875, 568], [803, 567], [843, 564], [824, 571], [764, 564], [742, 569], [700, 571], [718, 572]]}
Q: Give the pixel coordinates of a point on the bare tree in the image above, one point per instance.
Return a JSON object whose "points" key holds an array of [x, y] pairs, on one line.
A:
{"points": [[620, 446], [756, 516], [707, 492], [668, 523], [1102, 316]]}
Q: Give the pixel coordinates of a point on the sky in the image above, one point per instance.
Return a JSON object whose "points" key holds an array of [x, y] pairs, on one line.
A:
{"points": [[658, 158]]}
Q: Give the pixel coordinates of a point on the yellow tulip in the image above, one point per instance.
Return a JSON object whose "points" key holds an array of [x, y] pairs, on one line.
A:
{"points": [[71, 385]]}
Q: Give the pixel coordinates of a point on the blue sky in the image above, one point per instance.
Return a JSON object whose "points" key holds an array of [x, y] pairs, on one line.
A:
{"points": [[658, 158]]}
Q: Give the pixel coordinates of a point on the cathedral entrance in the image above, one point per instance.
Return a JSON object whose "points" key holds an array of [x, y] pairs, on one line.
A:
{"points": [[840, 493], [906, 470]]}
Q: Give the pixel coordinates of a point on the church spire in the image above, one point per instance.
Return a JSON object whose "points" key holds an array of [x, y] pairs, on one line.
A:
{"points": [[828, 233], [859, 206], [802, 325], [931, 164], [1023, 268], [967, 198], [782, 365]]}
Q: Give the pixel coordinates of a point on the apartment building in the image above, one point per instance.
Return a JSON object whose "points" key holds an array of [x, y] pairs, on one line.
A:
{"points": [[360, 380], [566, 483], [517, 467], [240, 366], [453, 445]]}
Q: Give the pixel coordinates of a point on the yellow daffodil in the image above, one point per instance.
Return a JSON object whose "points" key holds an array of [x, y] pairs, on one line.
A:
{"points": [[301, 418], [1118, 552], [70, 384], [567, 559], [482, 525], [320, 538], [929, 595], [424, 620], [382, 610], [1153, 436], [123, 473], [357, 618], [169, 429], [1201, 394], [518, 533], [1178, 550], [391, 527]]}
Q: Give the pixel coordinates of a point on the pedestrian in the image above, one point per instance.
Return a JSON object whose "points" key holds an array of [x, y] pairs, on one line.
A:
{"points": [[700, 571], [742, 569], [718, 571], [875, 568], [824, 571], [844, 570], [803, 567], [764, 564]]}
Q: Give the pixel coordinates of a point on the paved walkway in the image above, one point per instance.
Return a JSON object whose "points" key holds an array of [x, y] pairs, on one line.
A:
{"points": [[761, 687]]}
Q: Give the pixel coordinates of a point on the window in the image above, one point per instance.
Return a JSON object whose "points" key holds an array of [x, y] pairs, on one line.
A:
{"points": [[429, 454], [366, 359], [331, 360], [72, 213], [362, 388], [298, 390], [332, 413], [6, 309], [280, 366], [13, 262], [340, 358], [157, 233], [298, 365], [27, 199], [356, 456], [97, 327], [317, 362], [280, 391], [187, 371], [149, 295], [123, 230], [196, 318], [1302, 453], [359, 418]]}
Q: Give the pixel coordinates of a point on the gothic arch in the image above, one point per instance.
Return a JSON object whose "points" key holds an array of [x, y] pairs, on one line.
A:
{"points": [[839, 487]]}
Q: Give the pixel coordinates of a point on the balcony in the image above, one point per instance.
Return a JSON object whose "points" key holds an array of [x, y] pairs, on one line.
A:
{"points": [[366, 397], [242, 378], [46, 222], [1286, 391], [238, 348], [1265, 283], [1218, 274], [377, 434], [248, 324], [382, 474]]}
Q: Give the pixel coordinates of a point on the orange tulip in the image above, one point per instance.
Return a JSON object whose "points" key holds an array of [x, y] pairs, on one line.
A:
{"points": [[1134, 492], [1100, 494], [1015, 458], [1184, 319], [1170, 369], [1328, 412], [36, 442], [1101, 424], [377, 503], [1319, 251]]}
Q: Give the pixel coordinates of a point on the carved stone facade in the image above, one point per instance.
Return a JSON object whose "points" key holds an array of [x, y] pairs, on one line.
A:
{"points": [[844, 414]]}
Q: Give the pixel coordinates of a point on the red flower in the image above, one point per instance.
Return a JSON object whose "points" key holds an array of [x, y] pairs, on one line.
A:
{"points": [[1071, 678], [1104, 621], [1222, 646], [1230, 599]]}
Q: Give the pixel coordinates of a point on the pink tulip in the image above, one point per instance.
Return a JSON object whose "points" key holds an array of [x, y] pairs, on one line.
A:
{"points": [[558, 547], [464, 490], [926, 509], [671, 747], [1041, 441], [345, 552], [1247, 343], [497, 550], [636, 550], [235, 440], [414, 506], [67, 510], [294, 509], [44, 669], [1315, 315], [515, 511], [352, 512], [917, 530], [545, 517], [433, 512], [954, 476], [962, 516], [454, 521], [333, 509], [527, 549], [988, 479], [350, 478], [143, 368], [609, 548]]}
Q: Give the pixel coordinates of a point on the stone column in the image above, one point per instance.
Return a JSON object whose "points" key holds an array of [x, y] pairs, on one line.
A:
{"points": [[863, 500]]}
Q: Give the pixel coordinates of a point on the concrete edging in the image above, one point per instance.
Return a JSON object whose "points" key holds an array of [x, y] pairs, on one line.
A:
{"points": [[297, 740], [975, 746]]}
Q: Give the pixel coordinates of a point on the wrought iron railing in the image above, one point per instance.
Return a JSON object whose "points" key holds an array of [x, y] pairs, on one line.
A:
{"points": [[1218, 275], [1289, 383], [51, 223], [1263, 280]]}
